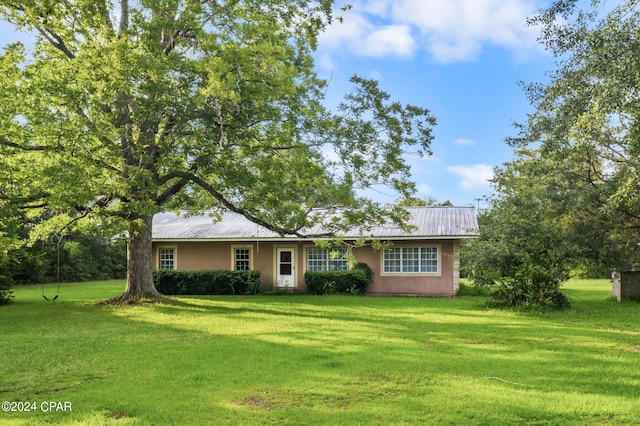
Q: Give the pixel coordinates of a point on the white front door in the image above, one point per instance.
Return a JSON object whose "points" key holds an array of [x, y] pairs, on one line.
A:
{"points": [[285, 267]]}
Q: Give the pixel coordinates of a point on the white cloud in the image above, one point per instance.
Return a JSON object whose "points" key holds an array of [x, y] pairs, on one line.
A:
{"points": [[456, 29], [424, 189], [326, 62], [390, 40], [473, 177], [462, 141], [375, 7], [361, 37], [353, 29], [452, 30]]}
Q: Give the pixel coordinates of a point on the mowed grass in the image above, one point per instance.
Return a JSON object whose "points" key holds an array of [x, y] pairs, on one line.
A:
{"points": [[334, 360]]}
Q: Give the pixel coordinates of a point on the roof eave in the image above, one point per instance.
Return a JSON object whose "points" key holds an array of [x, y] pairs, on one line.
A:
{"points": [[293, 239]]}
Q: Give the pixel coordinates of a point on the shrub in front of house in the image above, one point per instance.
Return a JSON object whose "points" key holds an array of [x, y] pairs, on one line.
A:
{"points": [[219, 282], [353, 281], [367, 270]]}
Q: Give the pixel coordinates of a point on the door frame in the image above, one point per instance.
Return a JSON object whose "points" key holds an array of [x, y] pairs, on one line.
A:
{"points": [[276, 266]]}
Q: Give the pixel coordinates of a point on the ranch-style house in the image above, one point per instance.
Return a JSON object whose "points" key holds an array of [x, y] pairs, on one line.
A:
{"points": [[424, 262]]}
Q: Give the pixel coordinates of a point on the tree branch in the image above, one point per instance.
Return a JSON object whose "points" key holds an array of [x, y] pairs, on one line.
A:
{"points": [[56, 41], [6, 142], [124, 17], [23, 202], [105, 15], [235, 209], [172, 190], [52, 37], [166, 178]]}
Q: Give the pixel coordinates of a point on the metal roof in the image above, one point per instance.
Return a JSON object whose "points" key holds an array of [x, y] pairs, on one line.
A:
{"points": [[430, 223]]}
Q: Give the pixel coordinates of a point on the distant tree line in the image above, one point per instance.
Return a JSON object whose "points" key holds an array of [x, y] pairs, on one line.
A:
{"points": [[63, 257], [75, 257]]}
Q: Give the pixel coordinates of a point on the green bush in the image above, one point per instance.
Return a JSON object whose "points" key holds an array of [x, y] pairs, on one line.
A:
{"points": [[331, 282], [6, 294], [591, 270], [529, 294], [528, 276], [473, 289], [220, 282], [367, 271], [6, 280]]}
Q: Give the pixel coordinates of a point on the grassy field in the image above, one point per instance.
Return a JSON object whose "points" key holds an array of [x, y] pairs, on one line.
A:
{"points": [[337, 360]]}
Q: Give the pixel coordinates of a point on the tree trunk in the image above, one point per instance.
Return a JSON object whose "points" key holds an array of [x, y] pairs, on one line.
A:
{"points": [[140, 264]]}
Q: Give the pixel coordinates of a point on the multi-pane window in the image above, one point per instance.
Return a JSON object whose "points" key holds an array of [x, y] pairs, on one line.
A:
{"points": [[242, 257], [167, 258], [320, 259], [410, 260], [393, 260]]}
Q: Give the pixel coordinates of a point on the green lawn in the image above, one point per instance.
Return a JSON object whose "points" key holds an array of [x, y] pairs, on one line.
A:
{"points": [[335, 360]]}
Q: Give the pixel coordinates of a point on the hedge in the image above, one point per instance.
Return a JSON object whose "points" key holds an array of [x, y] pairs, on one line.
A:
{"points": [[220, 282], [330, 282]]}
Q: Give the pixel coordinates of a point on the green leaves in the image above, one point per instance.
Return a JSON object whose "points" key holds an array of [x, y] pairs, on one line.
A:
{"points": [[582, 161], [371, 136], [528, 243], [123, 110], [177, 94]]}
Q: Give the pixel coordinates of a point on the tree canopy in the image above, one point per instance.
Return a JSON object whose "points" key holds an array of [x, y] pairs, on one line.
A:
{"points": [[523, 249], [124, 109], [570, 197], [587, 122]]}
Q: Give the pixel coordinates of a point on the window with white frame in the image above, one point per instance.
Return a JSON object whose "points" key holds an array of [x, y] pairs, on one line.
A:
{"points": [[321, 259], [410, 260], [167, 258], [242, 259]]}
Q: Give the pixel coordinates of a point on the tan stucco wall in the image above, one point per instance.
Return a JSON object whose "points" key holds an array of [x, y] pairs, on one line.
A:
{"points": [[219, 255], [194, 256], [440, 284]]}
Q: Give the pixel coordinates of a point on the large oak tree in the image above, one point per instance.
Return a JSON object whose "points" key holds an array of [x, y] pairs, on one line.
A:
{"points": [[120, 110]]}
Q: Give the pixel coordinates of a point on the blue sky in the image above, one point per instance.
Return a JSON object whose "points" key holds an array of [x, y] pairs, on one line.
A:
{"points": [[462, 59]]}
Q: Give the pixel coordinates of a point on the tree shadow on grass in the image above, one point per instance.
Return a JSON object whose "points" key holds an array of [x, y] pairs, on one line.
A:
{"points": [[313, 355], [575, 357]]}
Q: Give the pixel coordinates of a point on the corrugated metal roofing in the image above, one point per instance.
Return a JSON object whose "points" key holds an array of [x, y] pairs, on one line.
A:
{"points": [[430, 222]]}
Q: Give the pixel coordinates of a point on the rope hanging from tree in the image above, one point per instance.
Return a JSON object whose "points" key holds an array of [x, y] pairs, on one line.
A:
{"points": [[57, 240]]}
